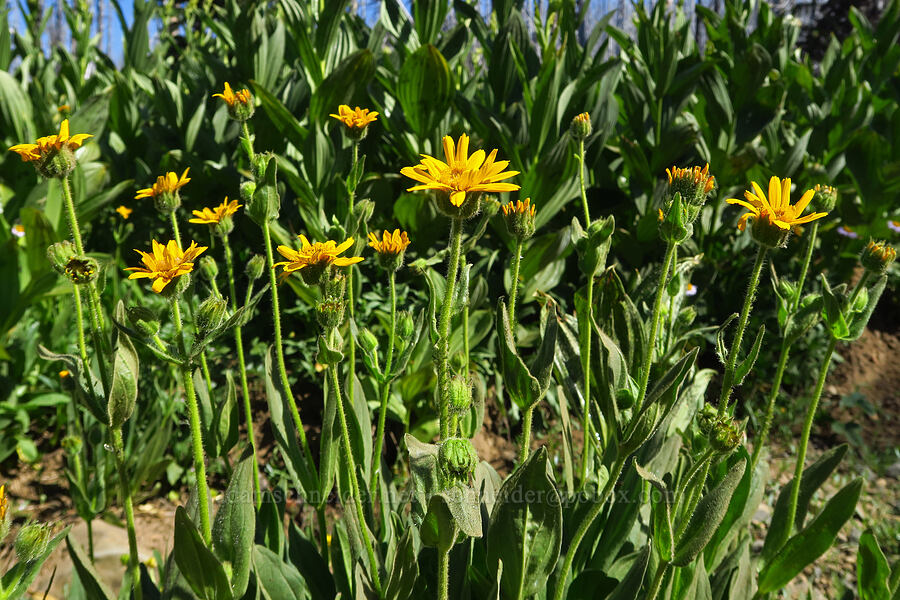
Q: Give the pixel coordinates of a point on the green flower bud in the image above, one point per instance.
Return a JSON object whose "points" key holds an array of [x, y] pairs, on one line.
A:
{"points": [[368, 341], [59, 255], [685, 317], [460, 394], [693, 184], [457, 460], [56, 163], [405, 325], [330, 313], [876, 257], [72, 445], [143, 319], [767, 233], [706, 418], [726, 435], [32, 541], [208, 268], [580, 127], [167, 202], [82, 270], [247, 190], [519, 219], [255, 267], [265, 203], [212, 313], [824, 199], [675, 223]]}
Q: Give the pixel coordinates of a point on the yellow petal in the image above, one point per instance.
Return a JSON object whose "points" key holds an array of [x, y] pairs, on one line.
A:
{"points": [[774, 193], [457, 198]]}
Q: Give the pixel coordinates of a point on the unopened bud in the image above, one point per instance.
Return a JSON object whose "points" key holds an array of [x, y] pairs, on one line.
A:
{"points": [[330, 313], [72, 444], [706, 418], [824, 198], [255, 267], [726, 435], [208, 268], [457, 459], [212, 313], [32, 541], [876, 257], [368, 341], [144, 320], [460, 394], [247, 189], [519, 219], [580, 127]]}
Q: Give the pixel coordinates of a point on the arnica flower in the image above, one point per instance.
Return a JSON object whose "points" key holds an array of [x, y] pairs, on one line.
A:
{"points": [[845, 231], [313, 258], [894, 226], [240, 103], [580, 127], [519, 218], [165, 191], [462, 177], [693, 183], [63, 374], [390, 248], [356, 120], [53, 155], [124, 211], [876, 257], [218, 217], [166, 263], [773, 215], [824, 198]]}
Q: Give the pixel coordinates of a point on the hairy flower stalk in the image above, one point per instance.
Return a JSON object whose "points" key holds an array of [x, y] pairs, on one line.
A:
{"points": [[134, 564], [444, 327]]}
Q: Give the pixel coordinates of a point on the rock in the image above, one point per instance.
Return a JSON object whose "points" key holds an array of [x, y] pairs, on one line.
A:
{"points": [[893, 471]]}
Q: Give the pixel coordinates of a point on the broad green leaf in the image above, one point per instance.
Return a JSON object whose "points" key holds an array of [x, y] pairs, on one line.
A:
{"points": [[276, 579], [873, 572], [123, 388], [425, 88], [526, 535], [634, 579], [342, 85], [808, 545], [94, 587], [234, 528], [197, 563]]}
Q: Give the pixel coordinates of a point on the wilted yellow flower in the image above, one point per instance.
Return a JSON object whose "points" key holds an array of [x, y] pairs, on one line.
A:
{"points": [[318, 254], [355, 118], [46, 145], [461, 174], [168, 183], [231, 98], [212, 216], [165, 263], [391, 243], [775, 210], [124, 211]]}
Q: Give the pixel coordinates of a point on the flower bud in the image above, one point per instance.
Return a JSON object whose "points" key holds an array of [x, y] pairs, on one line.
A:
{"points": [[767, 233], [457, 460], [330, 313], [405, 325], [686, 317], [876, 257], [694, 185], [72, 445], [143, 319], [675, 223], [82, 270], [824, 198], [706, 418], [255, 267], [208, 268], [212, 313], [59, 255], [32, 541], [247, 190], [368, 341], [519, 219], [580, 127], [726, 435], [460, 394]]}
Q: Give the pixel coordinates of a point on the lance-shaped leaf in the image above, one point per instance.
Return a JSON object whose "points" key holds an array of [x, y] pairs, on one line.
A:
{"points": [[123, 388], [661, 514], [91, 581], [527, 385], [234, 528], [667, 387], [452, 511], [277, 579], [423, 470], [808, 545], [721, 348], [707, 516], [593, 244], [197, 563], [526, 528], [833, 309], [813, 477], [873, 573], [403, 359], [745, 365], [239, 318], [634, 578], [859, 320], [806, 316]]}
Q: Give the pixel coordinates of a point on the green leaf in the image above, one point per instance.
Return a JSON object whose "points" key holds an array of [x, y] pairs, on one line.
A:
{"points": [[284, 122], [661, 514], [423, 471], [404, 570], [527, 386], [859, 320], [93, 585], [84, 382], [668, 384], [234, 528], [813, 477], [634, 578], [450, 512], [429, 16], [123, 388], [808, 545], [200, 567], [745, 365], [277, 580], [873, 572], [326, 355], [833, 310], [526, 535], [425, 88], [342, 84], [707, 516]]}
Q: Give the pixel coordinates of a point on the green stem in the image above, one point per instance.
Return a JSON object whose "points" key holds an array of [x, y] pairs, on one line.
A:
{"points": [[526, 435], [82, 347], [661, 571], [514, 287], [585, 525], [654, 324], [246, 131], [351, 303], [587, 457], [770, 405], [245, 388], [175, 231], [279, 350], [446, 318], [196, 431], [584, 202], [125, 490], [730, 364], [813, 233], [349, 465], [444, 574], [385, 390]]}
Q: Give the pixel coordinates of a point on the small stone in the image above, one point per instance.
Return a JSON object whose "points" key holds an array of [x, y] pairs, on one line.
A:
{"points": [[893, 471]]}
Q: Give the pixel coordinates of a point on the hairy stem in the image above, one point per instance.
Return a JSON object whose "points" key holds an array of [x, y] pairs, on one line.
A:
{"points": [[446, 318], [514, 287], [654, 324], [125, 490], [526, 434], [385, 391]]}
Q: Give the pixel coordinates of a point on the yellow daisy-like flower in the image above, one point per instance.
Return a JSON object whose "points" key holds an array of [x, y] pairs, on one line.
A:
{"points": [[212, 216], [50, 143], [318, 254], [124, 211], [231, 97], [461, 174], [168, 183], [775, 208], [4, 504], [390, 243], [166, 263], [355, 118]]}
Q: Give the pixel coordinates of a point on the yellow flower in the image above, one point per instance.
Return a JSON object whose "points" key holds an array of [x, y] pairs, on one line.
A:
{"points": [[391, 243], [318, 254], [355, 118], [50, 143], [212, 216], [461, 174], [700, 178], [124, 211], [232, 98], [519, 218], [519, 208], [165, 263], [63, 374], [63, 109], [168, 183], [4, 504], [776, 209]]}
